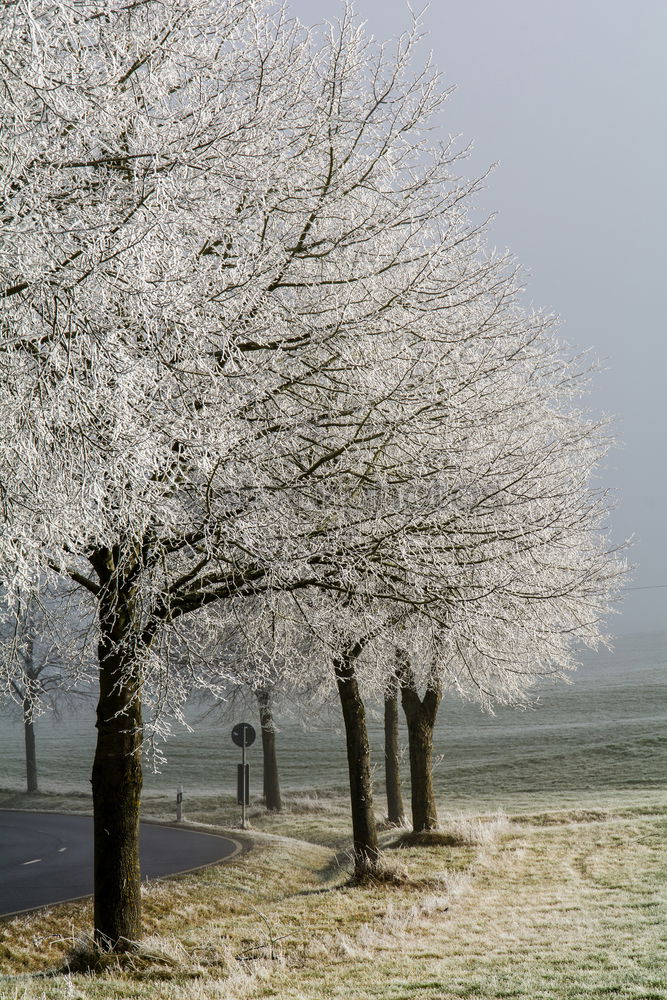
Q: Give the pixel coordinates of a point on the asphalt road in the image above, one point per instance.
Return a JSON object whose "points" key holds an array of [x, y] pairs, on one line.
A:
{"points": [[47, 858]]}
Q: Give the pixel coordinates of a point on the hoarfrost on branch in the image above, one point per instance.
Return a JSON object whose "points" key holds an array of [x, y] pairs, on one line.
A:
{"points": [[254, 347]]}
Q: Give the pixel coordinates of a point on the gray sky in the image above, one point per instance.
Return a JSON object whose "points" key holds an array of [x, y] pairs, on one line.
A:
{"points": [[570, 98]]}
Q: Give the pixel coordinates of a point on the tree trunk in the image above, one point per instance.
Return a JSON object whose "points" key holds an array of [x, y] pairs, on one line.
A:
{"points": [[271, 781], [30, 691], [364, 830], [117, 781], [30, 751], [392, 771], [420, 715]]}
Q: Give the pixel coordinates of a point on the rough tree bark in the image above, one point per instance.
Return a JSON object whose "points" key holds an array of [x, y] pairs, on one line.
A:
{"points": [[420, 715], [271, 781], [392, 771], [31, 683], [30, 749], [364, 829], [117, 777]]}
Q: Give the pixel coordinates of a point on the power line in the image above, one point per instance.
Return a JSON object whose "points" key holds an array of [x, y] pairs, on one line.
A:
{"points": [[655, 586]]}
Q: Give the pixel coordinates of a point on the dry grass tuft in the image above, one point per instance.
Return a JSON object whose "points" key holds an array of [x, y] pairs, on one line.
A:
{"points": [[308, 803], [385, 870], [139, 958], [462, 832], [561, 817]]}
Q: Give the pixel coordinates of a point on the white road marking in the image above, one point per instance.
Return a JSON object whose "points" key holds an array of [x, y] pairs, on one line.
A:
{"points": [[61, 849], [33, 862]]}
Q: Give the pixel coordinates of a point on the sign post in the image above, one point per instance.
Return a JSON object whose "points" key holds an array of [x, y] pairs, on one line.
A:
{"points": [[179, 804], [243, 735]]}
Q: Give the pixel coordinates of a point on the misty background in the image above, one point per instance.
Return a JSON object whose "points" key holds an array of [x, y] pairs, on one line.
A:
{"points": [[570, 100]]}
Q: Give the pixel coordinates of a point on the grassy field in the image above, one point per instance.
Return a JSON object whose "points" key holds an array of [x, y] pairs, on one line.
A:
{"points": [[559, 904]]}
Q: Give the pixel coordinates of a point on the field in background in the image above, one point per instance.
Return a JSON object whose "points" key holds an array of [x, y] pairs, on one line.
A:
{"points": [[604, 732]]}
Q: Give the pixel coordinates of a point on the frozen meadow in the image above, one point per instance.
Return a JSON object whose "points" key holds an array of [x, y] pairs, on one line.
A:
{"points": [[581, 742]]}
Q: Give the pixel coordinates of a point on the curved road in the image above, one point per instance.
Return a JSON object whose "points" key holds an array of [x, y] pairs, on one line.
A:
{"points": [[46, 858]]}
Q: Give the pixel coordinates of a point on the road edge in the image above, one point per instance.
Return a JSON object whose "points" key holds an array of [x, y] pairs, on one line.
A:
{"points": [[241, 846]]}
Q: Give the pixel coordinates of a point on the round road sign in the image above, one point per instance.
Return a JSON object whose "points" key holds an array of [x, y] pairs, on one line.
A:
{"points": [[243, 734]]}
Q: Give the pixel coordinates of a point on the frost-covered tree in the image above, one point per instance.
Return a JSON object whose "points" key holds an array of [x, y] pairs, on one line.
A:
{"points": [[252, 348], [45, 661], [503, 545], [259, 668], [192, 381]]}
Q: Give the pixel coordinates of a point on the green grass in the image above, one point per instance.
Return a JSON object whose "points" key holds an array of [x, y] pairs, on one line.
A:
{"points": [[542, 906]]}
